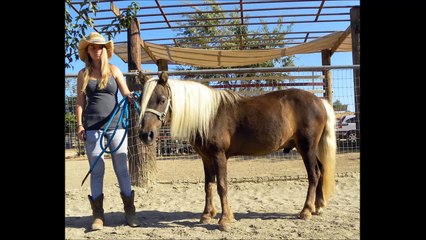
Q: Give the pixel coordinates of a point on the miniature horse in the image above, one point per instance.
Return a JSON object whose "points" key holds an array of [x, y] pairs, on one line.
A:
{"points": [[220, 124]]}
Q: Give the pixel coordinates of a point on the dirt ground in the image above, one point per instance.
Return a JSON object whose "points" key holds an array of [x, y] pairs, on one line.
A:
{"points": [[265, 196]]}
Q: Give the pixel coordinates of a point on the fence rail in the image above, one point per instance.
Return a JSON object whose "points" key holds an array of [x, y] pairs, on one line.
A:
{"points": [[307, 78]]}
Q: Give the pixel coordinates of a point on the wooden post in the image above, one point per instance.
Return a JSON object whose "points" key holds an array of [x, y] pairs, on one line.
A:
{"points": [[355, 30], [328, 82], [142, 158], [162, 65]]}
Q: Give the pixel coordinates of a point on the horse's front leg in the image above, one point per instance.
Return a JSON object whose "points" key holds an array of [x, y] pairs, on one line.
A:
{"points": [[209, 181], [222, 189], [310, 160]]}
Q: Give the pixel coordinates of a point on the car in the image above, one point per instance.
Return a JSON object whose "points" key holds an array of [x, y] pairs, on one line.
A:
{"points": [[346, 129]]}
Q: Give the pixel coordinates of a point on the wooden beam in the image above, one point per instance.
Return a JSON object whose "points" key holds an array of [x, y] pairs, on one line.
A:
{"points": [[355, 28], [226, 11], [241, 85], [306, 37], [253, 34], [246, 24], [242, 22], [319, 10], [133, 46], [259, 92], [114, 9], [141, 159], [162, 65], [254, 78], [328, 83], [342, 38]]}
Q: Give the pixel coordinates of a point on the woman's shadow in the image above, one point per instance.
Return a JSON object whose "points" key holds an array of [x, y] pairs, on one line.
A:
{"points": [[158, 219]]}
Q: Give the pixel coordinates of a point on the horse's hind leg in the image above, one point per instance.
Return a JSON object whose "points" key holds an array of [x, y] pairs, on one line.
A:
{"points": [[209, 181], [319, 199], [310, 160], [222, 189]]}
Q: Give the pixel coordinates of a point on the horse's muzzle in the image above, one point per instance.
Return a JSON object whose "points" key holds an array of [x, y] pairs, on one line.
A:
{"points": [[147, 137]]}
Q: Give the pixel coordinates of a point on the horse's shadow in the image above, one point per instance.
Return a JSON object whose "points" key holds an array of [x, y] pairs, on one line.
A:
{"points": [[158, 219]]}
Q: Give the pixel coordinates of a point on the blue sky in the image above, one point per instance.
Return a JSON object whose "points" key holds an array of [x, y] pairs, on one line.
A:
{"points": [[338, 58], [301, 59]]}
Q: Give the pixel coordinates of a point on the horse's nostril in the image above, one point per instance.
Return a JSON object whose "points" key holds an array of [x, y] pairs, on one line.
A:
{"points": [[146, 137]]}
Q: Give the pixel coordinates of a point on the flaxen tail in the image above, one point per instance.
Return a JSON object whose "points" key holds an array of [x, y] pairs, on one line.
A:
{"points": [[327, 151]]}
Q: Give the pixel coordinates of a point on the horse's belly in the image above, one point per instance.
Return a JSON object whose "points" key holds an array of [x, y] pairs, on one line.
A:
{"points": [[255, 147]]}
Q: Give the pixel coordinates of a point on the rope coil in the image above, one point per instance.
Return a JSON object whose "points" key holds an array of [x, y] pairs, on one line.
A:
{"points": [[124, 120]]}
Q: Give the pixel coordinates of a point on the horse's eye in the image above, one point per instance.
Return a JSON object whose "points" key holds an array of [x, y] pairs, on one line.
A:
{"points": [[162, 100]]}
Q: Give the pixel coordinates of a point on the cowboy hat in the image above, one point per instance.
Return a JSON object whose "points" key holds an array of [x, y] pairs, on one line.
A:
{"points": [[94, 38]]}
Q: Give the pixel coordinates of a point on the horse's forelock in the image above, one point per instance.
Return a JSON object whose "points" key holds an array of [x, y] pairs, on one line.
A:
{"points": [[146, 95]]}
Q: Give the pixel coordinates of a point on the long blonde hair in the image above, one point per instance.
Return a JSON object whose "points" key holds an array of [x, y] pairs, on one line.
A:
{"points": [[105, 71]]}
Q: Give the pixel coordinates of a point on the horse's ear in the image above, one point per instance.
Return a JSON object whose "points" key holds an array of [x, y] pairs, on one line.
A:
{"points": [[142, 78], [163, 77]]}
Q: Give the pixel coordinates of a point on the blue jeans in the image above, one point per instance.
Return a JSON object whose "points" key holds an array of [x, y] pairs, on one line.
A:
{"points": [[119, 161]]}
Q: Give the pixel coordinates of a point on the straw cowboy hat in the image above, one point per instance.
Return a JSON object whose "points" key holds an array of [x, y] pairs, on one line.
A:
{"points": [[94, 38]]}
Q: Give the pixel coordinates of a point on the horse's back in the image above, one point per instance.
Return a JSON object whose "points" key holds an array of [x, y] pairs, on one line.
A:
{"points": [[291, 94], [303, 110], [288, 103], [268, 122]]}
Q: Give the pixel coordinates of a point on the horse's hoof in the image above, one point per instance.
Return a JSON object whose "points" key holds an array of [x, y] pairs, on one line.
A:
{"points": [[205, 219], [226, 227], [319, 211], [305, 215]]}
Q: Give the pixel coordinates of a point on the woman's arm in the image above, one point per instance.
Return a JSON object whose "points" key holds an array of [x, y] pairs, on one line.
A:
{"points": [[119, 77], [81, 103]]}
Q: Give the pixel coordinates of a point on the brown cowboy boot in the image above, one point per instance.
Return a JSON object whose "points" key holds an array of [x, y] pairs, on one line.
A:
{"points": [[129, 209], [98, 212]]}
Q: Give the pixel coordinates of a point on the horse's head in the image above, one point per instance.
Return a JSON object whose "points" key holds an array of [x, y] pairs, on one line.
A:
{"points": [[157, 111]]}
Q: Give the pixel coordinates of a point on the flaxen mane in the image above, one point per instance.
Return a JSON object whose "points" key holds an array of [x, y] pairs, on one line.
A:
{"points": [[197, 106]]}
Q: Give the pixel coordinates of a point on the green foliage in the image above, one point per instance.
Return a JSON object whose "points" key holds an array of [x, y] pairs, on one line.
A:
{"points": [[338, 106], [70, 116], [70, 122], [122, 21], [77, 28], [225, 32]]}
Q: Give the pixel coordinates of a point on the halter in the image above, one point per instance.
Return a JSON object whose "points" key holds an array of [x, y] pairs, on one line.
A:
{"points": [[162, 115]]}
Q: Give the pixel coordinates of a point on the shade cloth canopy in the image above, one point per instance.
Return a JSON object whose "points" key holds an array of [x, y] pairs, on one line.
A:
{"points": [[339, 41]]}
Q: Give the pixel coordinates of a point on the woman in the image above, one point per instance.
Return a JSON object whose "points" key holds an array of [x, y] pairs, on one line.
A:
{"points": [[97, 87]]}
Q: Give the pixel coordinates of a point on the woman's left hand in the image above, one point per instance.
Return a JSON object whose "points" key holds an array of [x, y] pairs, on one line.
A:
{"points": [[130, 98]]}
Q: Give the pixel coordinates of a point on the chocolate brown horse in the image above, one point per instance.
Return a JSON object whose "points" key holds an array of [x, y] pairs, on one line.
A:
{"points": [[221, 124]]}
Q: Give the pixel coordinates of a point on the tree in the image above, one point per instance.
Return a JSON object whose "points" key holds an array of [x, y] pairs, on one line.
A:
{"points": [[338, 106], [71, 122], [225, 32], [75, 28]]}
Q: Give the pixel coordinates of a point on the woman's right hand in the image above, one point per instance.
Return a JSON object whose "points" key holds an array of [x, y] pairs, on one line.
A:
{"points": [[81, 133]]}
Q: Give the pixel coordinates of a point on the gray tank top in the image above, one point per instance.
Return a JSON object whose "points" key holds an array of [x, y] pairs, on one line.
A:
{"points": [[100, 105]]}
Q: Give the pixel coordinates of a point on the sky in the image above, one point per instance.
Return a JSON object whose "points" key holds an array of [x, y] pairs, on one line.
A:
{"points": [[338, 58], [301, 59]]}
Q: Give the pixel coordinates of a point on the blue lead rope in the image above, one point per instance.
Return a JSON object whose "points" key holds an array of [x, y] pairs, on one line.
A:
{"points": [[124, 120]]}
